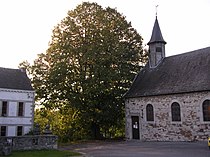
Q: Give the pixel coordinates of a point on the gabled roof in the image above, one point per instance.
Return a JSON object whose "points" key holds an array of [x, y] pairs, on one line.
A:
{"points": [[14, 79], [188, 72], [156, 34]]}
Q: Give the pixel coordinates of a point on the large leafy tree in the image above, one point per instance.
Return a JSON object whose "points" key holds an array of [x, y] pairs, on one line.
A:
{"points": [[91, 61]]}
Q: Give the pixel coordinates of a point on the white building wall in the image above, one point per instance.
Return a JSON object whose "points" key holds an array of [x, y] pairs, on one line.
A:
{"points": [[26, 129], [16, 95], [190, 128], [11, 130], [15, 121], [28, 109], [13, 97], [12, 108]]}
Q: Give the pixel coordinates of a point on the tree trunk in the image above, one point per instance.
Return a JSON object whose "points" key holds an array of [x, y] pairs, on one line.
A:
{"points": [[96, 131]]}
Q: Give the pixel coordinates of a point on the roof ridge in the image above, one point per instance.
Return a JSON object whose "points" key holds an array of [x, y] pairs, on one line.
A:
{"points": [[186, 53], [10, 68]]}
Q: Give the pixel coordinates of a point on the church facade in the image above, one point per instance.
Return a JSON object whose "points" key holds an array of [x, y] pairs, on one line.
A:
{"points": [[169, 99]]}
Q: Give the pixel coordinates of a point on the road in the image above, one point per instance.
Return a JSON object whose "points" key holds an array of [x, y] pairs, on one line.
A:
{"points": [[141, 149]]}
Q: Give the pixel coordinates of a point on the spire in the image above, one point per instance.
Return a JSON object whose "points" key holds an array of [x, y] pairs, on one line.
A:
{"points": [[156, 46], [156, 34]]}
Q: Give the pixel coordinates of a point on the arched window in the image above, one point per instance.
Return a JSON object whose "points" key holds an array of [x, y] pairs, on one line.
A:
{"points": [[206, 110], [175, 112], [150, 112]]}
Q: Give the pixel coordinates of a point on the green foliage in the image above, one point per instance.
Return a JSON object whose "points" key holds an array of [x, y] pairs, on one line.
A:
{"points": [[65, 124], [43, 153], [91, 61]]}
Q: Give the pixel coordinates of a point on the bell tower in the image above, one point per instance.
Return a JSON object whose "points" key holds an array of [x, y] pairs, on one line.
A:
{"points": [[156, 46]]}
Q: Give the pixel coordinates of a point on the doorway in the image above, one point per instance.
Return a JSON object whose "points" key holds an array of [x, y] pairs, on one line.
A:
{"points": [[135, 127]]}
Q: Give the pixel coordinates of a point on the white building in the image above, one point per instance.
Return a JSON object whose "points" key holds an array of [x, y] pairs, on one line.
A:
{"points": [[16, 102]]}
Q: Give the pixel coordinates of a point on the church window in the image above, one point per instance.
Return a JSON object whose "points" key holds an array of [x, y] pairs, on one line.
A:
{"points": [[206, 110], [149, 112], [175, 112], [158, 49]]}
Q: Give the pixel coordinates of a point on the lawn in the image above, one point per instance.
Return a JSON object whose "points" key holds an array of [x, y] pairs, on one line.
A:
{"points": [[43, 153]]}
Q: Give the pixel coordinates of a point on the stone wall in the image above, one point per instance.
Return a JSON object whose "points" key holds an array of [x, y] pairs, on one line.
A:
{"points": [[31, 142], [190, 128]]}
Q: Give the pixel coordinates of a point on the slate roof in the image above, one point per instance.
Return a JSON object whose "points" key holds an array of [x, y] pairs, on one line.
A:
{"points": [[14, 79], [156, 34], [184, 73]]}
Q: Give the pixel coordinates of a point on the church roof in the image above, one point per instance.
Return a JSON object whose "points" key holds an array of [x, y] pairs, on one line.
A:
{"points": [[156, 34], [14, 79], [184, 73]]}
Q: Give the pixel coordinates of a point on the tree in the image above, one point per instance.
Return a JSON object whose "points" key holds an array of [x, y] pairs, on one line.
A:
{"points": [[91, 61]]}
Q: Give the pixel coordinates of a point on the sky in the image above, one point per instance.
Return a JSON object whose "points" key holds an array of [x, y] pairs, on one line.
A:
{"points": [[26, 25]]}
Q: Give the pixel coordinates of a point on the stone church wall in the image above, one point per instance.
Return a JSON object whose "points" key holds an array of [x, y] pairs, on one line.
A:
{"points": [[190, 128]]}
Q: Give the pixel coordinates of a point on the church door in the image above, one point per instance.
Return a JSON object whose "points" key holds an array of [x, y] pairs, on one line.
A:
{"points": [[135, 127]]}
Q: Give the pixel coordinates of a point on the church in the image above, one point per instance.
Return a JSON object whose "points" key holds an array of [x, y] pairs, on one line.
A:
{"points": [[169, 99]]}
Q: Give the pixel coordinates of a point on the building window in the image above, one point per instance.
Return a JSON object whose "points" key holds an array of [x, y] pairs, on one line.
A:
{"points": [[149, 112], [19, 130], [175, 112], [158, 49], [3, 130], [4, 109], [206, 110], [20, 109]]}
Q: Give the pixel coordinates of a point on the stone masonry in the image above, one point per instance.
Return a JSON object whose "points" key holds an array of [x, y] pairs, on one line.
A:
{"points": [[190, 128], [34, 142]]}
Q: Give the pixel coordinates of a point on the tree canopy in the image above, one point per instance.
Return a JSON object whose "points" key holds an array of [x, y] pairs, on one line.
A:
{"points": [[91, 61]]}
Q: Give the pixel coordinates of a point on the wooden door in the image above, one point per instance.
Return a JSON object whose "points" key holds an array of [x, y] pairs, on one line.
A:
{"points": [[135, 127]]}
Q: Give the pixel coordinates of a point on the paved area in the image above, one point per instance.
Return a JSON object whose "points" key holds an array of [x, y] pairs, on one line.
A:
{"points": [[141, 149]]}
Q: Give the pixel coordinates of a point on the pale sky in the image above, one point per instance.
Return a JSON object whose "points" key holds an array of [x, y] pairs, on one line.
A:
{"points": [[26, 25]]}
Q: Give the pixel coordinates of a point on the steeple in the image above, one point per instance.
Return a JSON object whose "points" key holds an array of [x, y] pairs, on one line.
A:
{"points": [[156, 46]]}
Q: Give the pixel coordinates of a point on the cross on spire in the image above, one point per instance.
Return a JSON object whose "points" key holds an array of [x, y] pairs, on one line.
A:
{"points": [[156, 10]]}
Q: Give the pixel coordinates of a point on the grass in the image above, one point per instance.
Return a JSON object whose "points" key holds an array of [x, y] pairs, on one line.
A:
{"points": [[43, 153]]}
